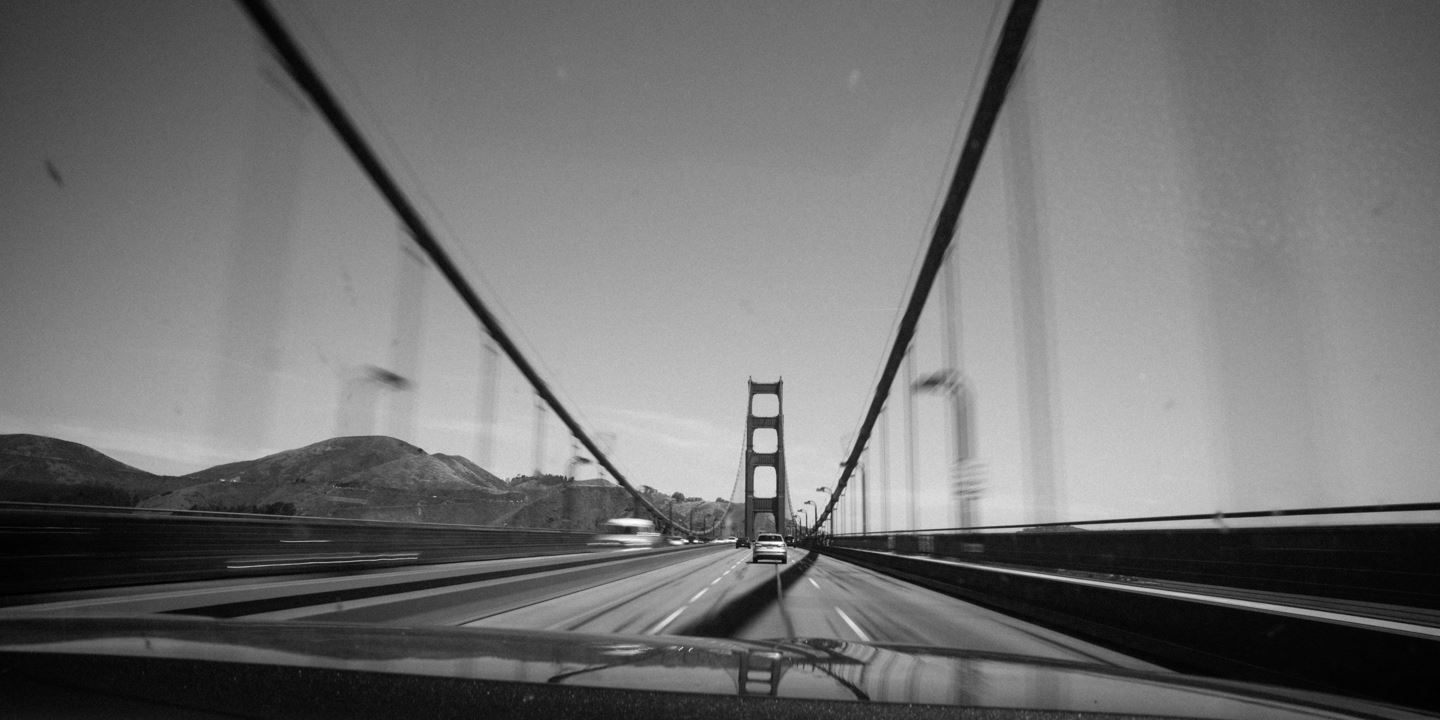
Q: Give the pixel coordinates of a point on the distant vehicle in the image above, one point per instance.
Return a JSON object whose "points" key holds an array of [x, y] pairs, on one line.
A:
{"points": [[741, 542], [628, 532], [769, 546]]}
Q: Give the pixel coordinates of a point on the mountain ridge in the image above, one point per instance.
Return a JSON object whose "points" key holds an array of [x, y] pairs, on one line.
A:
{"points": [[364, 477]]}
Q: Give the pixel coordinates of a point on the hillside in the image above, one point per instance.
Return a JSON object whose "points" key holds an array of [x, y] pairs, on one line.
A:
{"points": [[366, 477], [34, 468], [327, 459], [585, 505]]}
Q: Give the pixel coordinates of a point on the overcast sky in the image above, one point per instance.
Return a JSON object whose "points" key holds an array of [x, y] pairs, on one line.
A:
{"points": [[664, 199]]}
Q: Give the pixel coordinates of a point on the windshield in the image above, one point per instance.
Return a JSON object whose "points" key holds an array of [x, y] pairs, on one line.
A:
{"points": [[1065, 333]]}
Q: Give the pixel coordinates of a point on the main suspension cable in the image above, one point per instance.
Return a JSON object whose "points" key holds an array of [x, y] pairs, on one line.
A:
{"points": [[309, 80], [1008, 53]]}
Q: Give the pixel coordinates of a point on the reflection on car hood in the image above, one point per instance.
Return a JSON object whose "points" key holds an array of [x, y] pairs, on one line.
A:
{"points": [[809, 669]]}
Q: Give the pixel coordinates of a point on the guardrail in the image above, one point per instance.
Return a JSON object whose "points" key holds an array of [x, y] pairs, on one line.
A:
{"points": [[57, 548], [1351, 609], [1395, 564], [1269, 639]]}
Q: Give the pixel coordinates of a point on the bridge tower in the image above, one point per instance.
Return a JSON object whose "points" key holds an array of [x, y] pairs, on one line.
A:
{"points": [[772, 457]]}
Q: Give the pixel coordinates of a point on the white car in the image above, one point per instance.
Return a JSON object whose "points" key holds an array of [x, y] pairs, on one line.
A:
{"points": [[628, 533], [769, 546]]}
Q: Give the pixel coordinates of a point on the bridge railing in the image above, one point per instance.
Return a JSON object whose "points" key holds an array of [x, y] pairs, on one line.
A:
{"points": [[1357, 561], [49, 548], [1350, 647], [1344, 600]]}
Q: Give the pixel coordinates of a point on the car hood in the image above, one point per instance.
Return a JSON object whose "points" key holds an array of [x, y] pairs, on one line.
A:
{"points": [[808, 669]]}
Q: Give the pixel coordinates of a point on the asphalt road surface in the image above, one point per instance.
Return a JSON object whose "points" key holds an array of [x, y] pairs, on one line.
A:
{"points": [[813, 596], [711, 591]]}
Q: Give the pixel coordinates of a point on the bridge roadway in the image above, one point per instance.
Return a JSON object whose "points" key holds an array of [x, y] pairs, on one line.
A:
{"points": [[822, 597], [708, 591]]}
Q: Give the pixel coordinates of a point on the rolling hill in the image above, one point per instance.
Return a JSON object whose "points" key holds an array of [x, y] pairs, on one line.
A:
{"points": [[363, 477]]}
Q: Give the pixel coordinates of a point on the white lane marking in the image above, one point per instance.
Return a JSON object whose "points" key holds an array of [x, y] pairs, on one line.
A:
{"points": [[853, 626], [812, 582], [247, 564], [668, 619], [286, 587], [671, 617]]}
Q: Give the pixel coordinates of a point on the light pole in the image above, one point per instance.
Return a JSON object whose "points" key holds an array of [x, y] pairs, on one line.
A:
{"points": [[951, 383], [815, 510], [539, 436], [864, 500], [884, 423], [576, 459], [911, 476], [359, 395], [836, 513], [826, 491]]}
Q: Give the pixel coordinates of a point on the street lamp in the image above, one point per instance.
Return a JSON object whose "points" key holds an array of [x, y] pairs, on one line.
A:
{"points": [[827, 491], [811, 522], [834, 509], [576, 460], [953, 385], [360, 393], [862, 498]]}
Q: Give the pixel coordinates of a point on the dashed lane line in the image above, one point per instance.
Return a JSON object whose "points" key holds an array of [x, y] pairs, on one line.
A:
{"points": [[848, 621], [655, 630], [668, 619]]}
